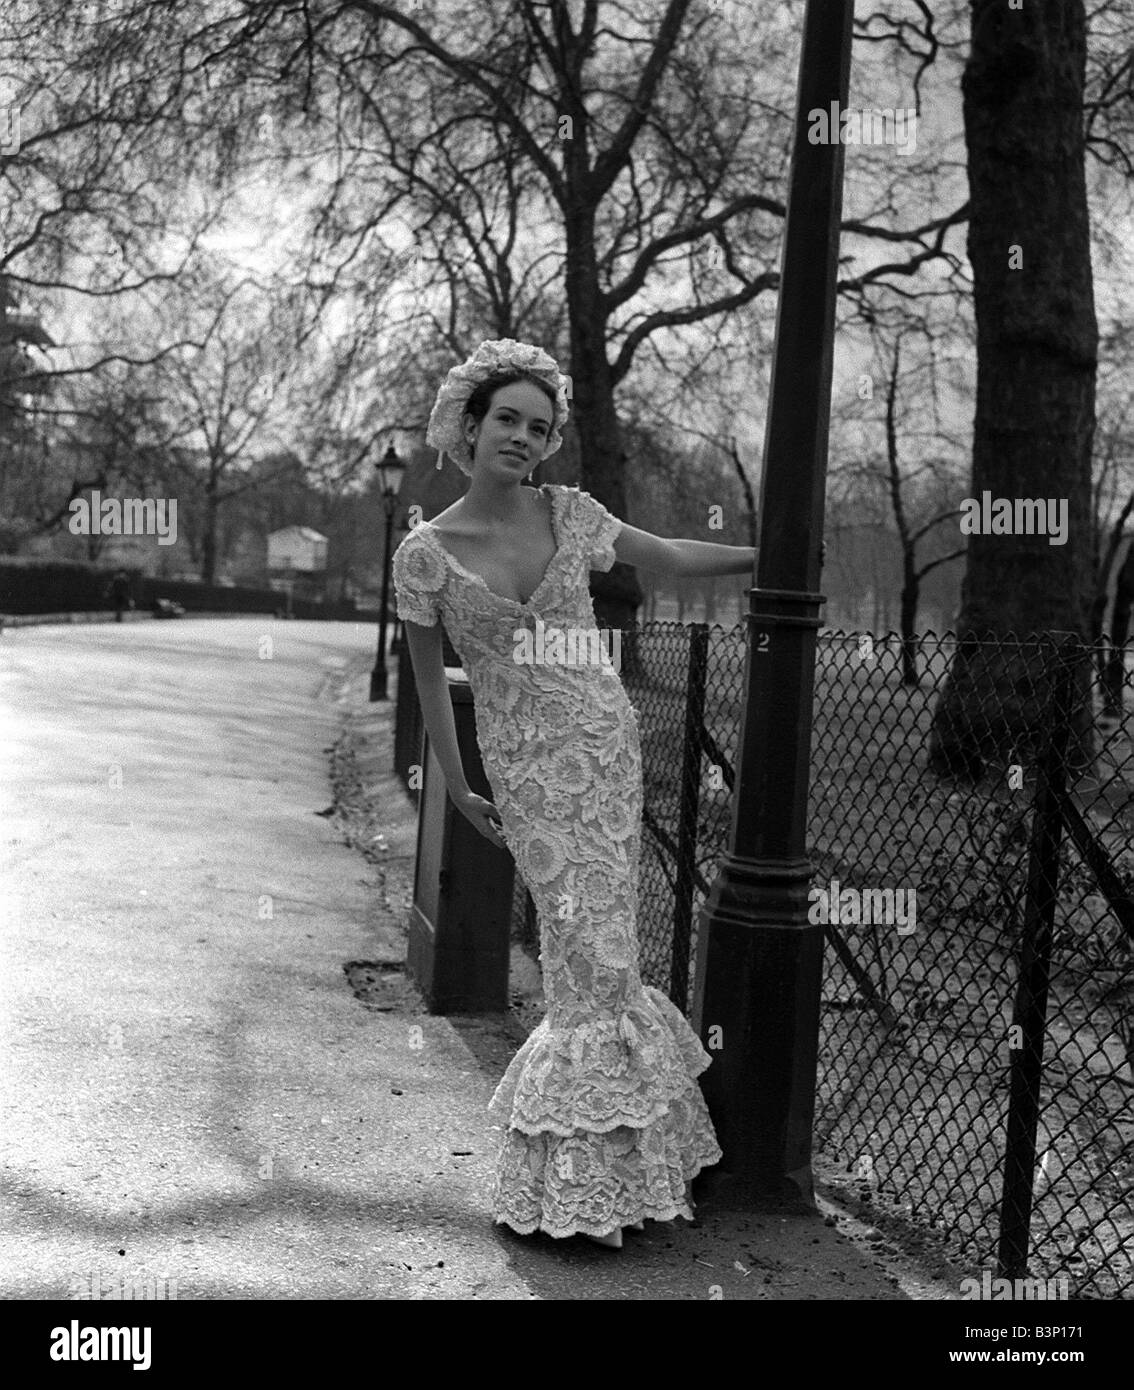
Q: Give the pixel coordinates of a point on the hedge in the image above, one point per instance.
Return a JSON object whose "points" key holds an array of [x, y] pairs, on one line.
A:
{"points": [[77, 586]]}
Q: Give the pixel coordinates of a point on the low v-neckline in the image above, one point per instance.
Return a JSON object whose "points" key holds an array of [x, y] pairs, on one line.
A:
{"points": [[479, 578]]}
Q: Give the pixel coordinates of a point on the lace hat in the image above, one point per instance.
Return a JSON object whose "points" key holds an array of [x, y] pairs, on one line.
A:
{"points": [[445, 430]]}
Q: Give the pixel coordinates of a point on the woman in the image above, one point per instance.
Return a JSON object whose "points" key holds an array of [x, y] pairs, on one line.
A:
{"points": [[604, 1121]]}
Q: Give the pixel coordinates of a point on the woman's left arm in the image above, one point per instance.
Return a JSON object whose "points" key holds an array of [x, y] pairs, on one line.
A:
{"points": [[681, 559]]}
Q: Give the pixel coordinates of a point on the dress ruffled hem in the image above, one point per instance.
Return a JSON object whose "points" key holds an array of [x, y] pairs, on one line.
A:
{"points": [[603, 1130], [592, 1183], [591, 1228], [602, 1075]]}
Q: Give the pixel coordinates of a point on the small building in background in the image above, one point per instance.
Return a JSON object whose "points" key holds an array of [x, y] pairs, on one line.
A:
{"points": [[297, 562], [297, 548]]}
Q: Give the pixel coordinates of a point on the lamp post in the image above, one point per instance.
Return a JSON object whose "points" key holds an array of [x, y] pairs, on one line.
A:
{"points": [[760, 959], [388, 466]]}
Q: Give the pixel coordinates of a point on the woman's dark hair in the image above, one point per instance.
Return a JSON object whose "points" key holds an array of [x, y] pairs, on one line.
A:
{"points": [[481, 398]]}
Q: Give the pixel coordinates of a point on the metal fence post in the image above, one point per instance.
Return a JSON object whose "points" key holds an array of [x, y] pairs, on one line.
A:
{"points": [[1030, 1011], [685, 868]]}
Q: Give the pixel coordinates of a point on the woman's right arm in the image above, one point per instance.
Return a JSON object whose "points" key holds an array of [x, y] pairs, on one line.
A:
{"points": [[437, 709]]}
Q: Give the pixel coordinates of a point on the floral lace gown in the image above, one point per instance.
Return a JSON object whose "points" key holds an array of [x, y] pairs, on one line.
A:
{"points": [[604, 1121]]}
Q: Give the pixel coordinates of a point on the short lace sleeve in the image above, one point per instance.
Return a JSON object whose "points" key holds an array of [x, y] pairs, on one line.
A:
{"points": [[419, 580], [598, 528]]}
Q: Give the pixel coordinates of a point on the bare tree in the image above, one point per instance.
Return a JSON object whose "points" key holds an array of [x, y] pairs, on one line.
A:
{"points": [[221, 403], [582, 164], [92, 211], [919, 460]]}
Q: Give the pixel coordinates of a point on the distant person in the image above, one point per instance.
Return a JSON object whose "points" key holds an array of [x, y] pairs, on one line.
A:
{"points": [[120, 594]]}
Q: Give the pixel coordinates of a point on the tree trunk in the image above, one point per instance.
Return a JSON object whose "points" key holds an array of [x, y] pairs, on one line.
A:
{"points": [[209, 536], [1104, 650], [616, 593], [1114, 673], [711, 601], [907, 621], [1037, 339]]}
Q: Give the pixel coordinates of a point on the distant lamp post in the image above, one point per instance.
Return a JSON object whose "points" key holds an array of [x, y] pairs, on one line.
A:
{"points": [[389, 467]]}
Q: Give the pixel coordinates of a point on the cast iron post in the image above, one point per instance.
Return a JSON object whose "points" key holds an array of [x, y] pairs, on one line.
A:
{"points": [[759, 960]]}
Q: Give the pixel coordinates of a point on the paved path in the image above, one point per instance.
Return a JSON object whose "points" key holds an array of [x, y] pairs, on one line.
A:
{"points": [[191, 1091]]}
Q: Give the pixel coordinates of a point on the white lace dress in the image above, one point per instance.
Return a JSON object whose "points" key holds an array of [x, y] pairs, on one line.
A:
{"points": [[603, 1119]]}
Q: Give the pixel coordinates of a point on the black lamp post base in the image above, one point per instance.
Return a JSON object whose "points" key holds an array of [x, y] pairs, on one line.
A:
{"points": [[756, 1010], [378, 685], [721, 1190]]}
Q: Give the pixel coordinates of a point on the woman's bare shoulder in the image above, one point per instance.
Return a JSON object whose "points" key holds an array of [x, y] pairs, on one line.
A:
{"points": [[450, 519]]}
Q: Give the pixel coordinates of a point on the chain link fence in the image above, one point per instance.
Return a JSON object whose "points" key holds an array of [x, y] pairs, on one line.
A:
{"points": [[975, 1071]]}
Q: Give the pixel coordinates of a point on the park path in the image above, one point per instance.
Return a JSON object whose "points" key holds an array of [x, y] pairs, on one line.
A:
{"points": [[192, 1093]]}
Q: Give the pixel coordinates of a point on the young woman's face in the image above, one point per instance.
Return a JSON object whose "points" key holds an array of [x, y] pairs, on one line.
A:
{"points": [[513, 435]]}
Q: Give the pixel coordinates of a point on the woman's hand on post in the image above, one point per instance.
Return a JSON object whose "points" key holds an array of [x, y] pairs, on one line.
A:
{"points": [[480, 813]]}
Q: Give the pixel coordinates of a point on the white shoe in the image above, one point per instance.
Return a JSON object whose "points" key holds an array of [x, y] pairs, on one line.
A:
{"points": [[613, 1240]]}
